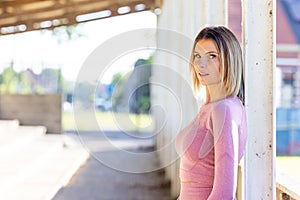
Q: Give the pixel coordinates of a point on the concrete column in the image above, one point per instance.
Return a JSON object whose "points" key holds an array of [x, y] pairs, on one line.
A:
{"points": [[164, 60], [259, 51], [186, 18], [200, 19], [174, 64], [217, 12], [159, 95], [170, 11]]}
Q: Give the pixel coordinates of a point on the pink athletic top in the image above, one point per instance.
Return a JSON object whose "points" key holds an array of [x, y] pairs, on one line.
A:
{"points": [[211, 148]]}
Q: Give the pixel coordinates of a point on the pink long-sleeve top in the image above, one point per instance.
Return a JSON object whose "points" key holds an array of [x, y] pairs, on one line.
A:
{"points": [[210, 149]]}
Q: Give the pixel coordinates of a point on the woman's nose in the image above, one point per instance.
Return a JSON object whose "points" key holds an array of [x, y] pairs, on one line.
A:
{"points": [[202, 62]]}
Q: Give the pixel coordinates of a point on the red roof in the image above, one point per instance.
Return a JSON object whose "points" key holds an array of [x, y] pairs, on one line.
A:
{"points": [[284, 31]]}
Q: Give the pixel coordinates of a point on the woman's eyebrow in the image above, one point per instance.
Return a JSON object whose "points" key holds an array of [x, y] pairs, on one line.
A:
{"points": [[211, 52], [208, 52]]}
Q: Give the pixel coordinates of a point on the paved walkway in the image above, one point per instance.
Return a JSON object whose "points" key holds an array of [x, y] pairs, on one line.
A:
{"points": [[96, 181], [35, 165], [39, 166]]}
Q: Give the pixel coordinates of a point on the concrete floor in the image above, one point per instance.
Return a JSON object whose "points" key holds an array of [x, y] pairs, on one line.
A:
{"points": [[98, 181]]}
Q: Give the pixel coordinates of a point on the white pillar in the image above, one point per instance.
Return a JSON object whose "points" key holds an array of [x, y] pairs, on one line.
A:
{"points": [[186, 18], [217, 12], [174, 64], [259, 50], [198, 9]]}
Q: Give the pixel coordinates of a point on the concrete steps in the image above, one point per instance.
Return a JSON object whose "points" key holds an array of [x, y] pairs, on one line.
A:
{"points": [[35, 165]]}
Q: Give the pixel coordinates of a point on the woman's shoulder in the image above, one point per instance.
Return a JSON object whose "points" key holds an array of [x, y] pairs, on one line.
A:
{"points": [[229, 106], [228, 102]]}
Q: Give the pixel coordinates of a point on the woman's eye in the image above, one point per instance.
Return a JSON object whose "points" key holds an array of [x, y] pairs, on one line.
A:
{"points": [[197, 56], [212, 56]]}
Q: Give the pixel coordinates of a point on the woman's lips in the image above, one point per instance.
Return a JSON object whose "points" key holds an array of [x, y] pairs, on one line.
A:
{"points": [[202, 74]]}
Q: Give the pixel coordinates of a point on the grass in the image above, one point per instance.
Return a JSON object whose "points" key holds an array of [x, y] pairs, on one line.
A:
{"points": [[107, 121], [289, 165]]}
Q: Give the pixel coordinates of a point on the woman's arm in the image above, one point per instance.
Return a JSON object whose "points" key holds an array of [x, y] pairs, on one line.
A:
{"points": [[226, 140]]}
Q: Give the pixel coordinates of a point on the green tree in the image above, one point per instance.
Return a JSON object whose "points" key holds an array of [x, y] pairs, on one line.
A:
{"points": [[9, 80], [140, 101], [118, 82], [26, 82], [132, 91]]}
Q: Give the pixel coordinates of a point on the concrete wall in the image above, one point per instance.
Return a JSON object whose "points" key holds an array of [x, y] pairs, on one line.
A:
{"points": [[33, 109]]}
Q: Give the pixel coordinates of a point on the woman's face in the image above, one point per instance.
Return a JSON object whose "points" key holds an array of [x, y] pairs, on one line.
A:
{"points": [[207, 62]]}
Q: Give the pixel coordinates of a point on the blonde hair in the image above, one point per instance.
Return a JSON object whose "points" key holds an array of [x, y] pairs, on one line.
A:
{"points": [[231, 60]]}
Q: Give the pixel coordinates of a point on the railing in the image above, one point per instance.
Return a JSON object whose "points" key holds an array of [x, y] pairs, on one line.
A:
{"points": [[287, 188]]}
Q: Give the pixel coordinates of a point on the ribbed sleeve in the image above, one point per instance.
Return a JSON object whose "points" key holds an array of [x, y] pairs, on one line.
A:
{"points": [[225, 130]]}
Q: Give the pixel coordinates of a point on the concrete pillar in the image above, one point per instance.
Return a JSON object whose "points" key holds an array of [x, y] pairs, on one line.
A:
{"points": [[195, 17], [217, 12], [170, 89], [174, 85], [259, 50], [165, 80], [186, 18]]}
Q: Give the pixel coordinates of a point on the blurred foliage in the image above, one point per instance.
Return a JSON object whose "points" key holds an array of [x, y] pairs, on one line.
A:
{"points": [[67, 33], [26, 81], [49, 80], [9, 80], [84, 94], [132, 90], [118, 82]]}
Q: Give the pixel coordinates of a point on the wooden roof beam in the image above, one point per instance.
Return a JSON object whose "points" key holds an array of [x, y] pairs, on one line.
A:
{"points": [[21, 18]]}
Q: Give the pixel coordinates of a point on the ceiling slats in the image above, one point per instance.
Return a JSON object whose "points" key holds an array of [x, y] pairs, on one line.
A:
{"points": [[26, 15]]}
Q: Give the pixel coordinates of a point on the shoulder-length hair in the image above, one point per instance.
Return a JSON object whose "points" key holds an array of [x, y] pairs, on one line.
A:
{"points": [[231, 60]]}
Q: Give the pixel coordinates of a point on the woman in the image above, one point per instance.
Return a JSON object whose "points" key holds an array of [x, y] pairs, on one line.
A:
{"points": [[212, 146]]}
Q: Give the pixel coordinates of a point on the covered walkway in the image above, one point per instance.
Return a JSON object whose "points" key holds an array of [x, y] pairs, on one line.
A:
{"points": [[35, 165], [258, 173], [97, 181]]}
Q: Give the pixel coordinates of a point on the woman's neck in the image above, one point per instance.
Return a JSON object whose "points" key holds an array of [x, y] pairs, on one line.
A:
{"points": [[215, 92]]}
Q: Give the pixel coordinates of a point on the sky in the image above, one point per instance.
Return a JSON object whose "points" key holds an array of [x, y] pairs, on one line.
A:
{"points": [[40, 49]]}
